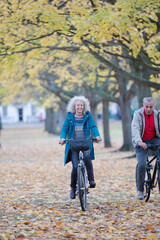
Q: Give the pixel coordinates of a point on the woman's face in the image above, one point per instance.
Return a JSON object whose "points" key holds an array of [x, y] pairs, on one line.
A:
{"points": [[79, 108]]}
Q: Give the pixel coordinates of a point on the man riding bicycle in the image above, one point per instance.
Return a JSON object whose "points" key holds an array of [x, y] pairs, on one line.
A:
{"points": [[145, 130]]}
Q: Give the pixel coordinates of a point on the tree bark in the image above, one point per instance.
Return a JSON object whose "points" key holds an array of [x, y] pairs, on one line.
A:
{"points": [[106, 133], [143, 91], [48, 121], [125, 114], [94, 113], [51, 121], [62, 114]]}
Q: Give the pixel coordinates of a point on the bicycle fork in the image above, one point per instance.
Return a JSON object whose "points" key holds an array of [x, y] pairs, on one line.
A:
{"points": [[82, 165]]}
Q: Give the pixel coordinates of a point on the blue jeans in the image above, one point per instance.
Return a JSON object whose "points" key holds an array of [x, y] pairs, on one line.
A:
{"points": [[88, 163], [142, 155]]}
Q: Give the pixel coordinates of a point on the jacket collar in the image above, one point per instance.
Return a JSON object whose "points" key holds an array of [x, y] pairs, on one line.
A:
{"points": [[141, 111], [86, 115]]}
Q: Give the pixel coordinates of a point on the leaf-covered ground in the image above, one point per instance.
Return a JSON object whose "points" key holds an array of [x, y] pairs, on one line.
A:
{"points": [[34, 193]]}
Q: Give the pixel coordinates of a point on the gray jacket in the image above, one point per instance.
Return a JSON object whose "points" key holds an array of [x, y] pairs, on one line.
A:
{"points": [[138, 125]]}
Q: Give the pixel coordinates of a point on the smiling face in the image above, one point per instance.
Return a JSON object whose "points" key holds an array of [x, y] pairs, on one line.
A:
{"points": [[79, 108], [149, 107]]}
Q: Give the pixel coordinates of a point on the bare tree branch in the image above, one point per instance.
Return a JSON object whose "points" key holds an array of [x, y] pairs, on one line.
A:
{"points": [[121, 71]]}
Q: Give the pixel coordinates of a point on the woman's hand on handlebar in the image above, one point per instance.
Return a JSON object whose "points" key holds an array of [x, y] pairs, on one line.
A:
{"points": [[98, 139], [62, 141]]}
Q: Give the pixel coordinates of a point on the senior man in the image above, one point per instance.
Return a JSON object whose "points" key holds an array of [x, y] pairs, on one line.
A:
{"points": [[145, 130]]}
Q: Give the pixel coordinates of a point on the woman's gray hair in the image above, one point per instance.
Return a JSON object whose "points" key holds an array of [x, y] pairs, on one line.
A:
{"points": [[149, 99], [72, 102]]}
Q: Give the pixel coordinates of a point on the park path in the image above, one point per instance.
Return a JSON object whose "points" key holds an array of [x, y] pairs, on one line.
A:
{"points": [[34, 193]]}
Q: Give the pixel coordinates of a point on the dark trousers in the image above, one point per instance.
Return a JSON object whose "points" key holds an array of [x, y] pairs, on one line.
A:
{"points": [[88, 163], [142, 156]]}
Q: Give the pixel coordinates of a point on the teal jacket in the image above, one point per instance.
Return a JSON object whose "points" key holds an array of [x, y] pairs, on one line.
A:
{"points": [[68, 132]]}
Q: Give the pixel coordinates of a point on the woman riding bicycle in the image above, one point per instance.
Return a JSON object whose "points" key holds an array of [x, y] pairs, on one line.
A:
{"points": [[79, 123]]}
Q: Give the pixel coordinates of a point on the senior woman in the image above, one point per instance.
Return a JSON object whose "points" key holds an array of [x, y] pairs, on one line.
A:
{"points": [[79, 123]]}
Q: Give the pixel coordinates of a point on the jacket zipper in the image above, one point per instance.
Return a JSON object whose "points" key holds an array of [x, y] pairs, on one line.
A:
{"points": [[149, 121]]}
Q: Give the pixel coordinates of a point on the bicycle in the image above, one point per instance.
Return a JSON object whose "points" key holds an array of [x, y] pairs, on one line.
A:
{"points": [[82, 188], [152, 175]]}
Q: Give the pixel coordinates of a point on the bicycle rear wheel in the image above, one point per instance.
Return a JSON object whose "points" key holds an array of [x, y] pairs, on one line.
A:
{"points": [[82, 186]]}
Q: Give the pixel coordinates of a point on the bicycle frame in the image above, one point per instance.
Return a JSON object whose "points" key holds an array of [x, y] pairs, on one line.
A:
{"points": [[157, 157], [82, 182], [150, 181], [148, 168]]}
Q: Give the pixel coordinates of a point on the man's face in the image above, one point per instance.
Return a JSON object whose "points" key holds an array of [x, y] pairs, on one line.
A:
{"points": [[149, 107]]}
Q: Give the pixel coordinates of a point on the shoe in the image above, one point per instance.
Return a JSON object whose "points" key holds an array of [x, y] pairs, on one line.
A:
{"points": [[140, 195], [92, 183], [73, 193]]}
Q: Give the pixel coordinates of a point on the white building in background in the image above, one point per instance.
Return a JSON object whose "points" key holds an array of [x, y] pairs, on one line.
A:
{"points": [[27, 113]]}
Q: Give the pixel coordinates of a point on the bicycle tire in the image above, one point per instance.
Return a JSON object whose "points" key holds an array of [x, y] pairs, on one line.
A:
{"points": [[158, 179], [82, 186], [147, 184]]}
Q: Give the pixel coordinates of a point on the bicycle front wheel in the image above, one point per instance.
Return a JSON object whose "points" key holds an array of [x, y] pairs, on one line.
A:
{"points": [[147, 184], [82, 186], [158, 179]]}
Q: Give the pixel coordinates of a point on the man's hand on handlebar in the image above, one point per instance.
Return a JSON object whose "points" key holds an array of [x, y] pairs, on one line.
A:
{"points": [[143, 145]]}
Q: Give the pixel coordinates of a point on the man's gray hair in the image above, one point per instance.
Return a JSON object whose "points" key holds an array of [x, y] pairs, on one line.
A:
{"points": [[149, 99], [72, 102]]}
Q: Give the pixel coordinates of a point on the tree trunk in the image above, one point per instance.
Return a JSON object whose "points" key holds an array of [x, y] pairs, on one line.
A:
{"points": [[48, 120], [94, 113], [141, 90], [126, 124], [106, 133], [125, 114], [51, 121], [93, 101], [61, 114]]}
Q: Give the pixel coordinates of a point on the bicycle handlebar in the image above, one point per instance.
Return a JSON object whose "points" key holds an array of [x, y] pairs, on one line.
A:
{"points": [[149, 145], [67, 140]]}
